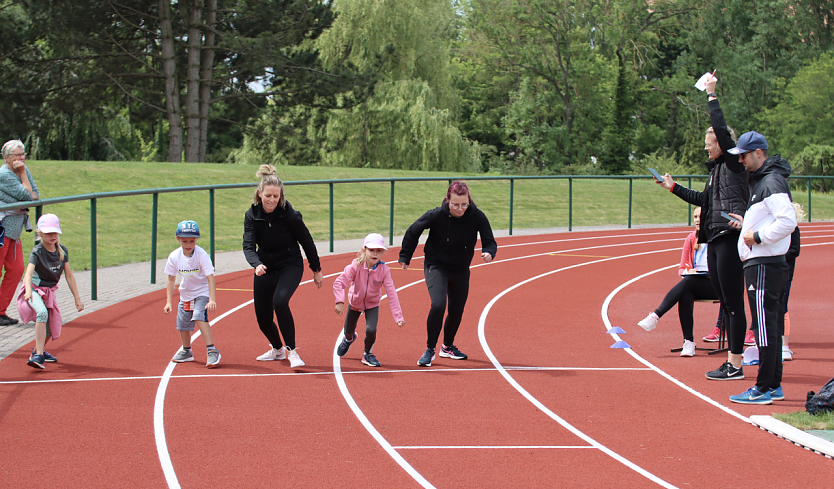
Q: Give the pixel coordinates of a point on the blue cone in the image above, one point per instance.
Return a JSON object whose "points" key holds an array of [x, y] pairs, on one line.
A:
{"points": [[615, 330], [620, 344]]}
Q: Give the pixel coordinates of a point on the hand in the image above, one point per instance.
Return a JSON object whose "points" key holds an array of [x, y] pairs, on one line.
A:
{"points": [[167, 308], [737, 222], [668, 182], [711, 84], [260, 270], [749, 240], [318, 278], [340, 308], [401, 323], [79, 305], [211, 306], [19, 166], [403, 265], [487, 257], [27, 296]]}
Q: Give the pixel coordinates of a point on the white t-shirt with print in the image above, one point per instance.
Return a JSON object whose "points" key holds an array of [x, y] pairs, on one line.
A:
{"points": [[193, 269]]}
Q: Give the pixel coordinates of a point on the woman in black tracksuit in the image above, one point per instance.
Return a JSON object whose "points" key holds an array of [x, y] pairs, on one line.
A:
{"points": [[453, 233], [726, 190], [272, 231]]}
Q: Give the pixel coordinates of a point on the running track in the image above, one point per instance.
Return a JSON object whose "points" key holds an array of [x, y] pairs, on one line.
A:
{"points": [[542, 401]]}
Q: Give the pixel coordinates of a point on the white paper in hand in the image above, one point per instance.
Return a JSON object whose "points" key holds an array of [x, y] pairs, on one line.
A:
{"points": [[701, 84]]}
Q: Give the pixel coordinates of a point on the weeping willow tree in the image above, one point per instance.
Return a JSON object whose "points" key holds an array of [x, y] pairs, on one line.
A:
{"points": [[407, 119]]}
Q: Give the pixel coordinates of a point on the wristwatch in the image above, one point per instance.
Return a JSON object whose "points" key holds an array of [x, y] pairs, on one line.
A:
{"points": [[712, 94]]}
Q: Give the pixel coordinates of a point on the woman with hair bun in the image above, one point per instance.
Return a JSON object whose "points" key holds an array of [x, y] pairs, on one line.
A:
{"points": [[272, 231], [453, 233]]}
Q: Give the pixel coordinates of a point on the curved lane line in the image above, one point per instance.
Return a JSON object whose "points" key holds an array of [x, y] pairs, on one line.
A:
{"points": [[536, 402]]}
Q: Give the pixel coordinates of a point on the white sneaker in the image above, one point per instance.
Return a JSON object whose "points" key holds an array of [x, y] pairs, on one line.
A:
{"points": [[295, 360], [787, 354], [273, 354], [650, 322], [688, 349]]}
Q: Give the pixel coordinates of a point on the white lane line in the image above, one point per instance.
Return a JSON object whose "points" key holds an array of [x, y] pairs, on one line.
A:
{"points": [[539, 404], [488, 447], [328, 372]]}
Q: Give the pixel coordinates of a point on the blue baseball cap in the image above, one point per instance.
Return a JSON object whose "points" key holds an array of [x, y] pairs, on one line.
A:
{"points": [[188, 229], [749, 141]]}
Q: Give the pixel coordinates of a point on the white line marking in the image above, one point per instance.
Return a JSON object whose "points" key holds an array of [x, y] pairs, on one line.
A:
{"points": [[488, 447]]}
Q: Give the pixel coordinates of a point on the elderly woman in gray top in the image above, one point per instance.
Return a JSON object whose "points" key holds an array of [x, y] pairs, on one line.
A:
{"points": [[16, 185]]}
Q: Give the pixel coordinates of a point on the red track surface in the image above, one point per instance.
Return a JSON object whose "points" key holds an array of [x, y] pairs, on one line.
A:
{"points": [[606, 419]]}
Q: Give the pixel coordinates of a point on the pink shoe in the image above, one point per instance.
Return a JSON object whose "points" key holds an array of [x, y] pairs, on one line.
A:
{"points": [[714, 336], [749, 339]]}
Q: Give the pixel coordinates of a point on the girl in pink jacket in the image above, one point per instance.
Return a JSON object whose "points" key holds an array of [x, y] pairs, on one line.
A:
{"points": [[366, 275]]}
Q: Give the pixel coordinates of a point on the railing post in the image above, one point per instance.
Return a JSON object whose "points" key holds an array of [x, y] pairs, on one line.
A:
{"points": [[570, 204], [391, 218], [38, 214], [689, 206], [630, 192], [512, 188], [154, 211], [93, 258], [211, 224], [331, 217]]}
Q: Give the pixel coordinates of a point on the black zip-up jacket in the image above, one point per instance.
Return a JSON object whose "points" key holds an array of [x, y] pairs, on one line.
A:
{"points": [[272, 238], [452, 240], [727, 188]]}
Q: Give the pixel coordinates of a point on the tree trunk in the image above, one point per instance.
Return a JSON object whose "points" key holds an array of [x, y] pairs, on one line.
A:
{"points": [[192, 95], [169, 70], [206, 72]]}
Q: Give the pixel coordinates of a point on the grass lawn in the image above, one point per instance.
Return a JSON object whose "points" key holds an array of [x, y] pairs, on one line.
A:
{"points": [[124, 223]]}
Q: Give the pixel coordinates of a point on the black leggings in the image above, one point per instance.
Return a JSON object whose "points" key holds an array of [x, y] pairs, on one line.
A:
{"points": [[371, 319], [727, 278], [272, 292], [689, 289], [442, 284]]}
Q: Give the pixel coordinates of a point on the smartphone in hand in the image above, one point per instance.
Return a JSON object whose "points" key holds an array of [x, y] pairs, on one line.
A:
{"points": [[728, 217], [657, 176]]}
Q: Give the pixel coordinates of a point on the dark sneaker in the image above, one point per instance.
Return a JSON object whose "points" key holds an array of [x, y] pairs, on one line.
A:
{"points": [[7, 321], [36, 361], [428, 356], [370, 360], [47, 357], [452, 352], [777, 394], [183, 355], [752, 396], [344, 346], [213, 357], [726, 372]]}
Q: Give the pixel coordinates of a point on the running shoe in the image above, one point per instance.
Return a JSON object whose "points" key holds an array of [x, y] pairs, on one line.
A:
{"points": [[183, 356], [7, 321], [295, 360], [47, 357], [750, 339], [688, 349], [213, 358], [650, 322], [726, 372], [344, 346], [452, 352], [428, 356], [787, 354], [273, 354], [777, 394], [714, 336], [752, 396], [370, 360], [36, 361]]}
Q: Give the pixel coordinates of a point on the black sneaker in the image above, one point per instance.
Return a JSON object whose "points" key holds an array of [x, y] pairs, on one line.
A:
{"points": [[47, 357], [7, 321], [726, 372], [452, 352], [428, 356], [36, 361], [344, 346], [370, 360]]}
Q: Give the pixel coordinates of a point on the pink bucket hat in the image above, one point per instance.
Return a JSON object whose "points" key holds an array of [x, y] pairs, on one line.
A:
{"points": [[375, 241], [49, 223]]}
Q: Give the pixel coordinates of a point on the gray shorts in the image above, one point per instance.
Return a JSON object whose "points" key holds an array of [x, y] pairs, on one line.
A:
{"points": [[185, 319]]}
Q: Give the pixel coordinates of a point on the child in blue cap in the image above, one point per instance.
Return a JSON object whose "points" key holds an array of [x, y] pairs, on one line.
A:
{"points": [[197, 292]]}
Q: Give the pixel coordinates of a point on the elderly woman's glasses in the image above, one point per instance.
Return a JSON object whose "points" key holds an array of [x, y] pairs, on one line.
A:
{"points": [[16, 156], [459, 206]]}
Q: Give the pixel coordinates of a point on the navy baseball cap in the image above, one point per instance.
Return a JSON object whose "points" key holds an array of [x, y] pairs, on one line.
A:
{"points": [[188, 229], [749, 141]]}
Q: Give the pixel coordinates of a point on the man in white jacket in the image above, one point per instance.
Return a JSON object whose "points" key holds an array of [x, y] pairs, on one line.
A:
{"points": [[765, 238]]}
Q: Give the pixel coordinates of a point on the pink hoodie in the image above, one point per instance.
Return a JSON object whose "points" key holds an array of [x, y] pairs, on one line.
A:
{"points": [[366, 288]]}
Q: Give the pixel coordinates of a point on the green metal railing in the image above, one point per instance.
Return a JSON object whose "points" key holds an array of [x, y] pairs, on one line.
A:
{"points": [[93, 198]]}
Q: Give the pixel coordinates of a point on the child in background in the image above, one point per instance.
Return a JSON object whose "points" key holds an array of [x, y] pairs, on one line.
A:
{"points": [[197, 292], [366, 275], [37, 298]]}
